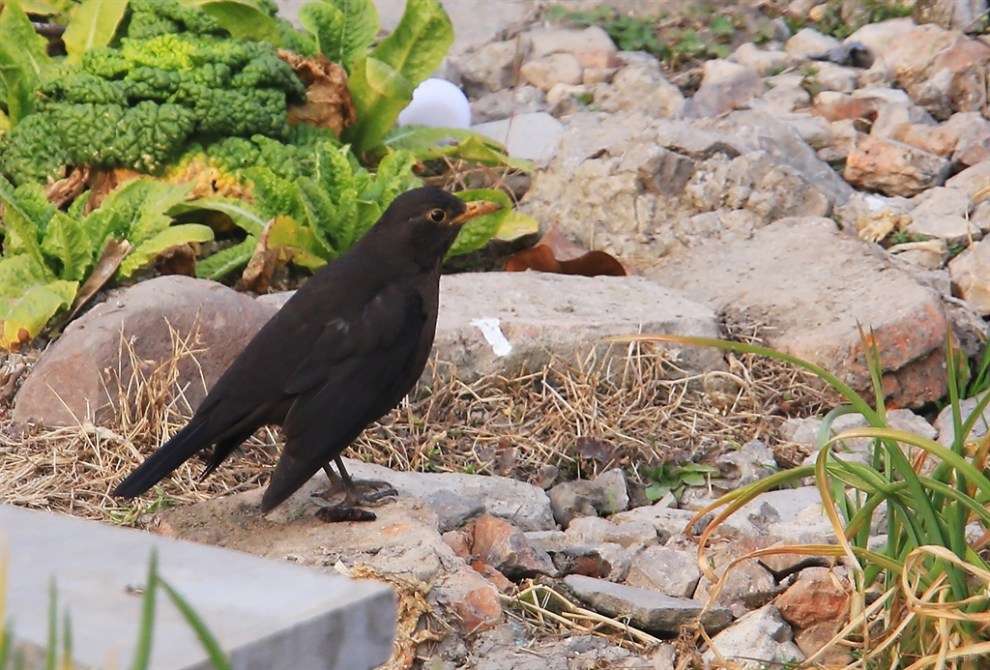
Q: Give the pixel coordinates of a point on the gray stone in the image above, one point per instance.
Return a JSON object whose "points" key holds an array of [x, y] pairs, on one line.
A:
{"points": [[668, 521], [809, 42], [814, 312], [508, 102], [943, 213], [784, 93], [643, 608], [594, 530], [673, 572], [556, 68], [528, 136], [832, 77], [764, 61], [724, 86], [591, 44], [748, 585], [308, 619], [202, 324], [759, 638], [951, 14], [640, 87], [970, 272], [752, 462], [525, 506], [501, 322], [490, 67]]}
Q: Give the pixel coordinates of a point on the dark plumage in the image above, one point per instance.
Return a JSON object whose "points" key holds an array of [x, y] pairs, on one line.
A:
{"points": [[343, 351]]}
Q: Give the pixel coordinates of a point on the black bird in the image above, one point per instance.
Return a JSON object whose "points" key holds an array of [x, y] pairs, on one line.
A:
{"points": [[343, 351]]}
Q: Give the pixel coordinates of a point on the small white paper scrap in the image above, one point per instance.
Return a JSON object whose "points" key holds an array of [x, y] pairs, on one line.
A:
{"points": [[492, 333]]}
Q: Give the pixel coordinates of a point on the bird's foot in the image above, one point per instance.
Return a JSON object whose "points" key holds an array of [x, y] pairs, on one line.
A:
{"points": [[370, 492], [360, 494]]}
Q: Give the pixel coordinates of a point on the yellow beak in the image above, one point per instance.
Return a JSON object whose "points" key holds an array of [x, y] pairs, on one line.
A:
{"points": [[474, 209]]}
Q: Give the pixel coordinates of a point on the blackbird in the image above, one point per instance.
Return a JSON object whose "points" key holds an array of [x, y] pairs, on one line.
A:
{"points": [[343, 351]]}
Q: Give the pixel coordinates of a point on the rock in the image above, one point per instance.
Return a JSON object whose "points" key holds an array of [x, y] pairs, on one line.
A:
{"points": [[640, 87], [643, 189], [974, 181], [764, 61], [893, 168], [858, 449], [832, 77], [502, 322], [809, 42], [752, 462], [943, 213], [201, 324], [556, 68], [606, 494], [724, 86], [817, 606], [950, 14], [526, 506], [506, 103], [946, 431], [527, 136], [970, 272], [816, 314], [673, 572], [943, 71], [503, 649], [785, 93], [506, 548], [489, 68], [757, 639], [929, 254], [594, 530], [973, 138], [582, 560], [645, 609], [592, 45], [668, 522], [817, 596], [746, 586]]}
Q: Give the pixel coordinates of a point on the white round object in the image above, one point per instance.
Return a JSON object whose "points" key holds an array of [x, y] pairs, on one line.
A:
{"points": [[437, 103]]}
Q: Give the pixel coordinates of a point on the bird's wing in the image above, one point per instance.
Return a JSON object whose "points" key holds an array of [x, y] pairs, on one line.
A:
{"points": [[356, 371]]}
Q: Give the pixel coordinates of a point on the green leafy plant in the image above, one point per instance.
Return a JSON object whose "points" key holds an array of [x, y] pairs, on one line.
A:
{"points": [[674, 479], [48, 253], [195, 92], [933, 503]]}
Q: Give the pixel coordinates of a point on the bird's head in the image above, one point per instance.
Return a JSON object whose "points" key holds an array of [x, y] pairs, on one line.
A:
{"points": [[423, 223]]}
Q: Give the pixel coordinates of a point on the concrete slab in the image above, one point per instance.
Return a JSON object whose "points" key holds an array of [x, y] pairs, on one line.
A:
{"points": [[265, 614]]}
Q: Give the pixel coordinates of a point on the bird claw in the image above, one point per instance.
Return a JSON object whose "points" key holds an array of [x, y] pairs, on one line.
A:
{"points": [[366, 492], [371, 491]]}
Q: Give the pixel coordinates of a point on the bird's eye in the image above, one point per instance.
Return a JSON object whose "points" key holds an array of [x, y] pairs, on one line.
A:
{"points": [[437, 215]]}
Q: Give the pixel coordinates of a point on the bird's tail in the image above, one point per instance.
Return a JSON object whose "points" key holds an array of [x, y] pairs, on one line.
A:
{"points": [[169, 456]]}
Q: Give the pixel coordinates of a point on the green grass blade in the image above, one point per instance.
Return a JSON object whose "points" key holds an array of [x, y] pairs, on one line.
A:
{"points": [[146, 629], [218, 659]]}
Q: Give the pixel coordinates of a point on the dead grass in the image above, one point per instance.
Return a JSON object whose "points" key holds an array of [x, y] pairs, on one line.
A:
{"points": [[564, 421]]}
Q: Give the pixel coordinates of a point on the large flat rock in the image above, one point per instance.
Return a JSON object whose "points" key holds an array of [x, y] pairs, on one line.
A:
{"points": [[265, 614], [812, 286], [504, 321]]}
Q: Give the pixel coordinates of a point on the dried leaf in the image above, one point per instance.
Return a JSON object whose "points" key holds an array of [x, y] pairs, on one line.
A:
{"points": [[257, 276], [541, 259], [113, 253], [66, 190], [328, 100]]}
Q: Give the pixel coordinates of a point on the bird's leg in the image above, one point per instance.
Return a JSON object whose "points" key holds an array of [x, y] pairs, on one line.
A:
{"points": [[348, 509], [366, 492]]}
